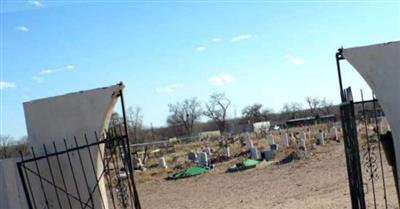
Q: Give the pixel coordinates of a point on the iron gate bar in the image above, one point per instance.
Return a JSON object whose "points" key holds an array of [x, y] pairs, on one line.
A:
{"points": [[24, 183], [120, 153], [84, 174], [136, 195], [377, 131], [94, 171], [116, 167], [369, 148], [71, 149], [103, 172], [339, 56], [49, 182], [52, 176], [112, 151], [350, 140], [365, 101], [352, 152], [106, 168], [40, 179], [73, 173], [62, 175]]}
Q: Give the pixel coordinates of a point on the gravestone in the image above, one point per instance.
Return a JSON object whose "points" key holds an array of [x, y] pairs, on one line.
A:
{"points": [[249, 144], [192, 156], [284, 139], [309, 134], [270, 139], [320, 138], [274, 147], [137, 163], [203, 159], [207, 150], [292, 139], [333, 134], [226, 152], [254, 153], [162, 163], [302, 144], [303, 135], [268, 155]]}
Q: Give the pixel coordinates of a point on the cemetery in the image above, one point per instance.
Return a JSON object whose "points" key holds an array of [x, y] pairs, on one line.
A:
{"points": [[300, 166]]}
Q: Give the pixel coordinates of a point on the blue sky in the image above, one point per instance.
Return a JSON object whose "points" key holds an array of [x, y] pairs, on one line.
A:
{"points": [[269, 52]]}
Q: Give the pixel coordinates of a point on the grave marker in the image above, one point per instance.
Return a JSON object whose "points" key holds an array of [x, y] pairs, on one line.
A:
{"points": [[333, 133], [255, 154], [203, 159], [270, 139], [162, 163], [284, 139], [320, 138]]}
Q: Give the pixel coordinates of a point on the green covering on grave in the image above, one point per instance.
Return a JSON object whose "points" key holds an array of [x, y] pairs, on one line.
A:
{"points": [[192, 171], [246, 164], [250, 163]]}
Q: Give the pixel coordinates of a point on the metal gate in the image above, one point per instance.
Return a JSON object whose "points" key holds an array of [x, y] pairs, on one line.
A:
{"points": [[91, 171], [367, 167], [61, 173]]}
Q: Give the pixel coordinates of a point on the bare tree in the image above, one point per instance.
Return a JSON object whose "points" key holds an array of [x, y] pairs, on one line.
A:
{"points": [[327, 106], [253, 113], [5, 143], [135, 119], [216, 110], [313, 103], [266, 112], [292, 109], [185, 114]]}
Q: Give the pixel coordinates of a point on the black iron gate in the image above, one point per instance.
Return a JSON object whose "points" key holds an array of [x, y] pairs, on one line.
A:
{"points": [[90, 171], [353, 162], [367, 165], [73, 177]]}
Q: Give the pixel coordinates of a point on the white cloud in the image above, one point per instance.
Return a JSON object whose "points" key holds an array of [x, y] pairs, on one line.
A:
{"points": [[70, 67], [200, 49], [216, 39], [296, 60], [169, 89], [241, 37], [7, 85], [221, 79], [22, 28], [38, 79], [47, 72], [35, 3]]}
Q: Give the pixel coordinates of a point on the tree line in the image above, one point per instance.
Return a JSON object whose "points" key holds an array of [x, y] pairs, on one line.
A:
{"points": [[184, 117]]}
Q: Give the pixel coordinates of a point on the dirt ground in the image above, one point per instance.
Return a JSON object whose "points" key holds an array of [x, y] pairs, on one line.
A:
{"points": [[318, 182]]}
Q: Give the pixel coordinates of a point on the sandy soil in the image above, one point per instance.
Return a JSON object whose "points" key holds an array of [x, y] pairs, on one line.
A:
{"points": [[319, 182]]}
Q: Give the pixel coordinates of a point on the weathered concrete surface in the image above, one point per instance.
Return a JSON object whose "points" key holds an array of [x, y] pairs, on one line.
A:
{"points": [[63, 117], [11, 191], [379, 65]]}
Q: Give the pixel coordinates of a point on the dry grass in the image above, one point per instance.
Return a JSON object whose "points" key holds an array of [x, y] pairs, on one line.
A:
{"points": [[178, 160]]}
